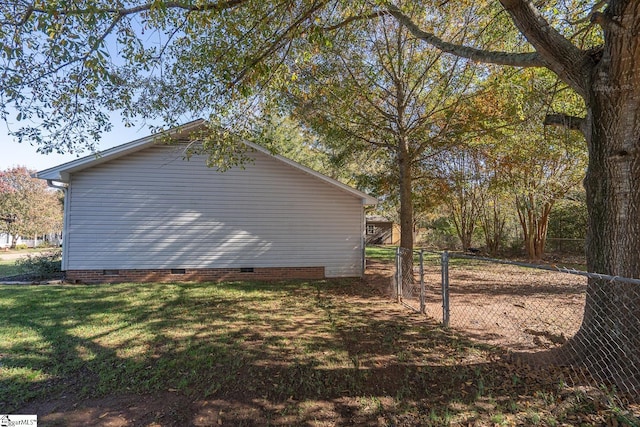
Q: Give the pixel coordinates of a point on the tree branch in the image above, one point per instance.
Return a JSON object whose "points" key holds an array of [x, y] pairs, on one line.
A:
{"points": [[500, 58], [92, 49], [353, 19], [571, 64], [606, 22], [595, 9], [121, 12], [218, 6], [277, 43]]}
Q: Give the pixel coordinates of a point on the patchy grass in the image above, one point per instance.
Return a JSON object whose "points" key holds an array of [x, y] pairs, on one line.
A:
{"points": [[292, 353]]}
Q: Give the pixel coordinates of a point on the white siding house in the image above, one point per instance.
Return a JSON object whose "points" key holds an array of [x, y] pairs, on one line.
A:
{"points": [[6, 240], [141, 212]]}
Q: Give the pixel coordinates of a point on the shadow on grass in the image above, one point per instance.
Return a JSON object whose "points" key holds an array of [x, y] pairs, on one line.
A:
{"points": [[248, 354]]}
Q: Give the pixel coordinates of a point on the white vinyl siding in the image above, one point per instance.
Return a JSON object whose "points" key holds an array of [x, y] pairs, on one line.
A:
{"points": [[154, 210]]}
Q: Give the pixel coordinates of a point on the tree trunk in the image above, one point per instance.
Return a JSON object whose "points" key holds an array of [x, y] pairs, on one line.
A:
{"points": [[406, 210], [406, 206], [541, 230], [609, 81], [14, 240], [610, 331], [534, 225], [460, 216], [465, 211], [493, 224]]}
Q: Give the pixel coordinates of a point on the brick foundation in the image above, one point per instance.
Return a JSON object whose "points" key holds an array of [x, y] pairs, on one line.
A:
{"points": [[193, 274]]}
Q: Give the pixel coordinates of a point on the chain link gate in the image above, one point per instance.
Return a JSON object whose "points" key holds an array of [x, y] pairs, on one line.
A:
{"points": [[417, 281]]}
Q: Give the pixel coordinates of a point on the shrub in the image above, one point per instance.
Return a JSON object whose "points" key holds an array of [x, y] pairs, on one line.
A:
{"points": [[21, 246], [44, 265]]}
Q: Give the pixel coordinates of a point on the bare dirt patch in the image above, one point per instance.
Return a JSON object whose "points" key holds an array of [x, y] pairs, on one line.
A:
{"points": [[518, 308], [171, 409]]}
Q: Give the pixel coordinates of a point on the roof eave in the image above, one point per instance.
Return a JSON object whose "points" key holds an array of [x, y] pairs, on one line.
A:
{"points": [[367, 200], [63, 172]]}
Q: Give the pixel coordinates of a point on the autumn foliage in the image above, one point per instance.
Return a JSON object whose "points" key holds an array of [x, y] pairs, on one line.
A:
{"points": [[27, 206]]}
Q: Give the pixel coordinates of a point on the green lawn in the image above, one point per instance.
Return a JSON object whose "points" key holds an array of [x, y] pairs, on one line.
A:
{"points": [[388, 254], [8, 267], [381, 253], [332, 351]]}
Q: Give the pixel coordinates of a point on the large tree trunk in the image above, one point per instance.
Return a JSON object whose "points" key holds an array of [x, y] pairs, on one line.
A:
{"points": [[609, 82], [610, 332], [406, 207]]}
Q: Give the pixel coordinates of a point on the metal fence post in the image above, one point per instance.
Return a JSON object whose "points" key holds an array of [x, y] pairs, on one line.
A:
{"points": [[398, 274], [445, 289], [422, 292]]}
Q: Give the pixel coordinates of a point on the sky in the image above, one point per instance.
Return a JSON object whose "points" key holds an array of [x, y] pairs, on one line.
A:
{"points": [[13, 153]]}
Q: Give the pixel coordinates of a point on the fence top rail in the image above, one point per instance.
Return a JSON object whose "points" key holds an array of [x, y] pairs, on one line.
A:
{"points": [[574, 271]]}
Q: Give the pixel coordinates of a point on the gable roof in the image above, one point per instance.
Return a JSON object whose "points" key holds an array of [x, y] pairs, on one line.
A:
{"points": [[62, 173], [378, 218]]}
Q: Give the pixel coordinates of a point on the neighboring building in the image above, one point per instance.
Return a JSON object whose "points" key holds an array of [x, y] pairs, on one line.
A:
{"points": [[382, 231], [6, 240], [140, 212]]}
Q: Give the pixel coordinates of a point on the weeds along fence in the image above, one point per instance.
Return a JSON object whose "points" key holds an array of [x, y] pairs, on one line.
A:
{"points": [[531, 310]]}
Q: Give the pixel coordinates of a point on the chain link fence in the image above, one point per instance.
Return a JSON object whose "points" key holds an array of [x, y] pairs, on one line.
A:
{"points": [[406, 289], [543, 314]]}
